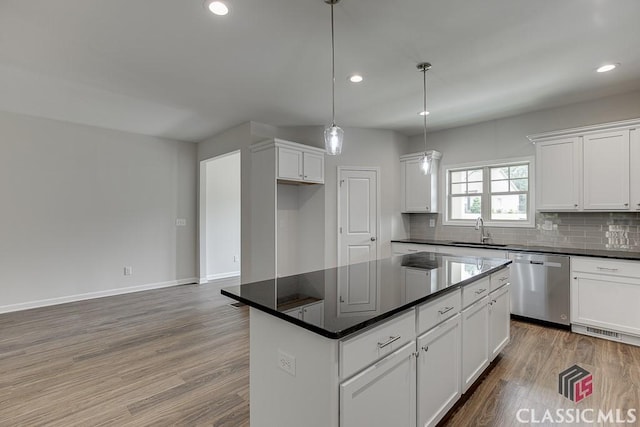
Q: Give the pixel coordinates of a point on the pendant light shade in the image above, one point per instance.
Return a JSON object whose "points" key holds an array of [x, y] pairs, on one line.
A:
{"points": [[426, 159], [333, 135]]}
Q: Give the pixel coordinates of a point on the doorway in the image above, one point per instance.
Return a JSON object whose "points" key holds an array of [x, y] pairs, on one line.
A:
{"points": [[219, 232], [358, 231]]}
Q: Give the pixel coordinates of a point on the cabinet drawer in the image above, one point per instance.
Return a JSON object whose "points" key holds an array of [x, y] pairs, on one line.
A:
{"points": [[439, 310], [473, 292], [604, 266], [409, 248], [500, 278], [373, 344]]}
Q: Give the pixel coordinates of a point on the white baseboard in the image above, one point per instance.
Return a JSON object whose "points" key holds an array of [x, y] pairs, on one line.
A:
{"points": [[92, 295], [223, 275]]}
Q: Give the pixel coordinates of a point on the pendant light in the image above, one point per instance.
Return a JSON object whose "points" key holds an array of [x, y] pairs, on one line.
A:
{"points": [[426, 160], [333, 135]]}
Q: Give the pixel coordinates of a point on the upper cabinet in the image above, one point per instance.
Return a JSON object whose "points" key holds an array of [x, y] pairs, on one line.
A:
{"points": [[559, 174], [299, 163], [634, 173], [588, 169], [606, 171], [419, 191]]}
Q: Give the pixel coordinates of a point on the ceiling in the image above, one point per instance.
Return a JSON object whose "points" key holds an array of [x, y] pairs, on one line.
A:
{"points": [[170, 68]]}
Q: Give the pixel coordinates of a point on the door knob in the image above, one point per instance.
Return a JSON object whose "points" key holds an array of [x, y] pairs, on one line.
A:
{"points": [[373, 239]]}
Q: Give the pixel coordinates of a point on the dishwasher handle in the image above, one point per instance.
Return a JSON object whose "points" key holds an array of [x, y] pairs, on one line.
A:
{"points": [[537, 262]]}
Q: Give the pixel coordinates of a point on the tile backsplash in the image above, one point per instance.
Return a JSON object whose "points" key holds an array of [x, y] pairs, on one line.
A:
{"points": [[618, 231]]}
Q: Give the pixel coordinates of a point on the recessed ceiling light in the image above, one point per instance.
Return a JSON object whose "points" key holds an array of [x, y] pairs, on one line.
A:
{"points": [[423, 113], [217, 7], [356, 78], [606, 67]]}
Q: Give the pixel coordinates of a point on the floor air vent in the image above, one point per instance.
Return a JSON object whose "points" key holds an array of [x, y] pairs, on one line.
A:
{"points": [[603, 332]]}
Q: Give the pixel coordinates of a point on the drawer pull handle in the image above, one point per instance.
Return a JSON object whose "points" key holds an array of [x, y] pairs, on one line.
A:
{"points": [[502, 279], [606, 269], [412, 250], [479, 291], [389, 341], [445, 310]]}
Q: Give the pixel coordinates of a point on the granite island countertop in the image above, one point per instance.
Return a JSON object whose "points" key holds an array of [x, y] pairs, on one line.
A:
{"points": [[377, 288], [598, 253]]}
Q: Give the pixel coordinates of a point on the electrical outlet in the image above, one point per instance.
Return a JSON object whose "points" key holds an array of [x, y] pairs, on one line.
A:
{"points": [[181, 222], [287, 363], [128, 271], [432, 222]]}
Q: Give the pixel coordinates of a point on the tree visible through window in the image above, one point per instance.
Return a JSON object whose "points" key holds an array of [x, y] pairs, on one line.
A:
{"points": [[498, 193]]}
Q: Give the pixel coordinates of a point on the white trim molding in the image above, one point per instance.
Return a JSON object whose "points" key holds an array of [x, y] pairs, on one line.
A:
{"points": [[93, 295], [625, 124]]}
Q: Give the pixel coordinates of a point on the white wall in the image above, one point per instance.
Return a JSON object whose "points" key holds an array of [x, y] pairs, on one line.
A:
{"points": [[223, 216], [237, 138], [506, 138], [78, 203], [362, 147]]}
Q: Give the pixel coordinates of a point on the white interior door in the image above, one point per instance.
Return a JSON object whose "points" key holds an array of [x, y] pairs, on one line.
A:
{"points": [[358, 238]]}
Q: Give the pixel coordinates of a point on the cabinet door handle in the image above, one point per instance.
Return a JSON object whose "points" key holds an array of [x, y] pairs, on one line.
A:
{"points": [[412, 250], [427, 207], [425, 348], [479, 291], [445, 310], [575, 206], [626, 204], [606, 269], [389, 341]]}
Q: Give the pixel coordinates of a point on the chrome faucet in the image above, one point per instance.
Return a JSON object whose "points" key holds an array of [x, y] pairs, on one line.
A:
{"points": [[480, 226]]}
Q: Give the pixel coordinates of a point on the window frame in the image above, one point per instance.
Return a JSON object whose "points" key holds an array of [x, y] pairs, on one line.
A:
{"points": [[485, 196]]}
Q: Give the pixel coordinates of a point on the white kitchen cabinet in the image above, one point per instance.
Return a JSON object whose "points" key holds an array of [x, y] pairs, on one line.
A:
{"points": [[591, 168], [604, 299], [419, 192], [438, 366], [299, 163], [634, 169], [285, 225], [475, 341], [310, 313], [398, 248], [606, 171], [559, 174], [499, 320], [382, 395]]}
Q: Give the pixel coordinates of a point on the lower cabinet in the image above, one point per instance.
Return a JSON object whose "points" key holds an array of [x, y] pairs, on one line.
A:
{"points": [[604, 299], [419, 381], [438, 365], [475, 341], [499, 320], [382, 395]]}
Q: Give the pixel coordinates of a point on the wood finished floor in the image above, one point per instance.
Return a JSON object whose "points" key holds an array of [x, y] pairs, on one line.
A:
{"points": [[179, 356]]}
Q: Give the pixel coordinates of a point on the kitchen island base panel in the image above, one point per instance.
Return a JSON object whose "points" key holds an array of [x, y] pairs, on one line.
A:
{"points": [[310, 397]]}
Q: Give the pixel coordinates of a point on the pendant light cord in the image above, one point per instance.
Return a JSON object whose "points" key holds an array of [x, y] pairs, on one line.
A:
{"points": [[333, 73], [424, 111]]}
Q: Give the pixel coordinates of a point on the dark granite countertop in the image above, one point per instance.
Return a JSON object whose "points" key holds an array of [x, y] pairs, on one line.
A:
{"points": [[599, 253], [359, 295]]}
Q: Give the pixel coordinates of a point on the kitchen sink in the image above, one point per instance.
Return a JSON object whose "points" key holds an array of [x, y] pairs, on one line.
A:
{"points": [[488, 245]]}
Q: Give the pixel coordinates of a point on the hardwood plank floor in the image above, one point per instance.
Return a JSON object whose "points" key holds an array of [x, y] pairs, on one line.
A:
{"points": [[179, 356]]}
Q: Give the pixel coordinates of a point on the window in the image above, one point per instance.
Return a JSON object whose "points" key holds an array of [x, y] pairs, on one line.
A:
{"points": [[499, 193]]}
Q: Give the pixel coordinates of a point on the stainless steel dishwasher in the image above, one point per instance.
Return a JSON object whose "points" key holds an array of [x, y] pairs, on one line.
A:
{"points": [[540, 287]]}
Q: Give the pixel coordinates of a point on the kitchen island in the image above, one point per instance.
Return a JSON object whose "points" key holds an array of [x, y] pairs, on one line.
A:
{"points": [[389, 342]]}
